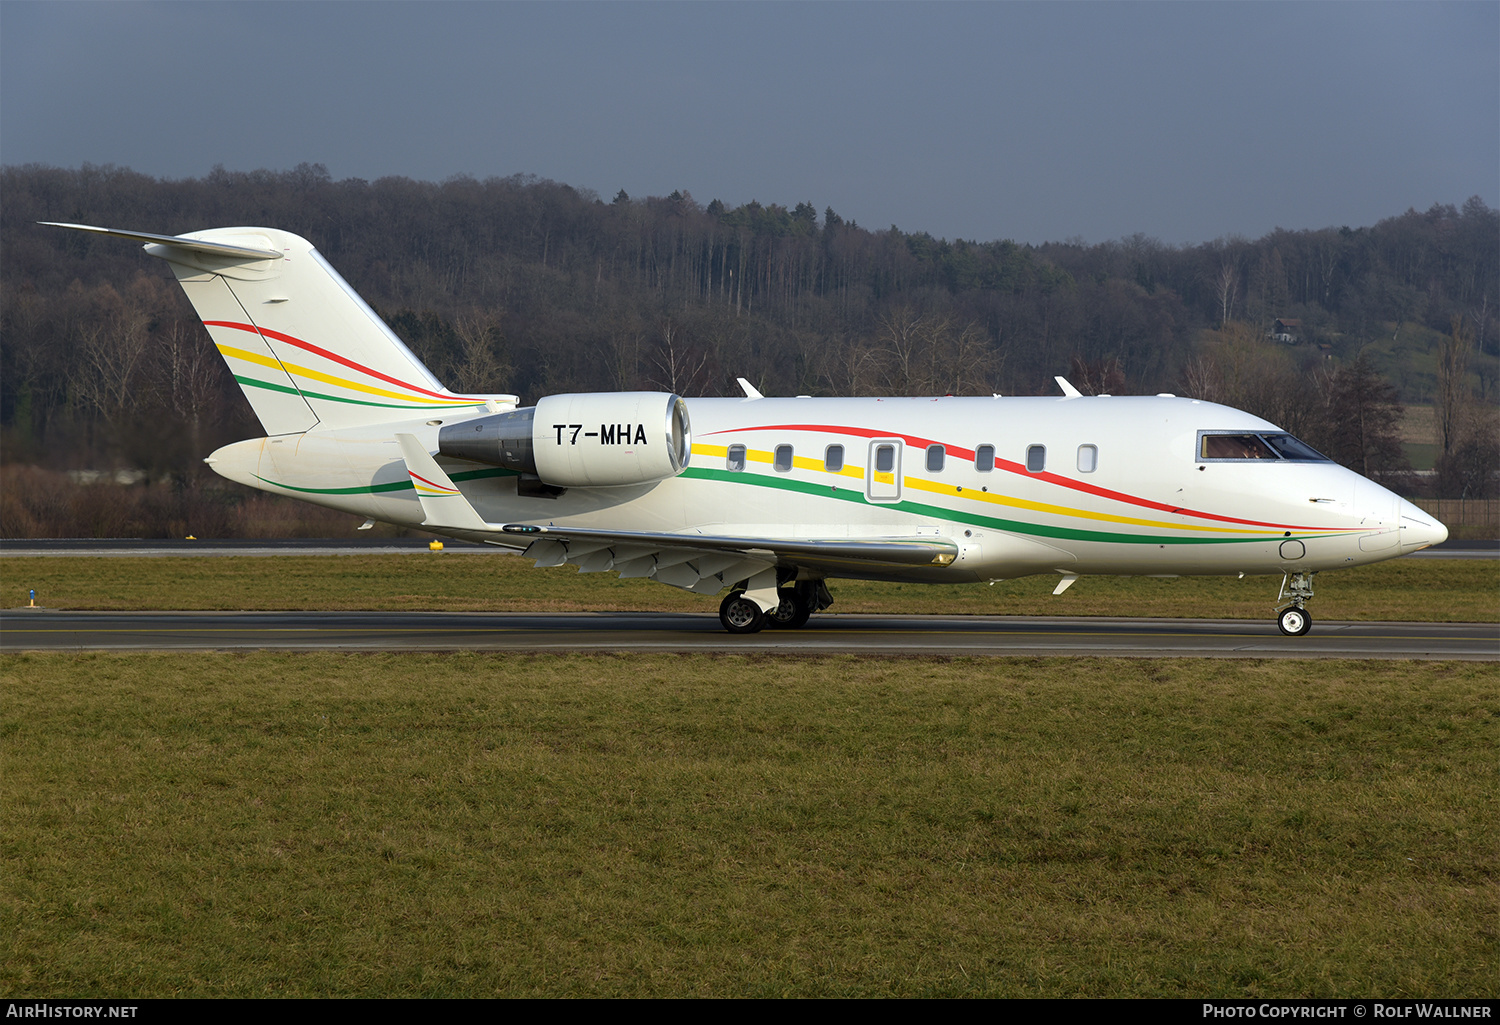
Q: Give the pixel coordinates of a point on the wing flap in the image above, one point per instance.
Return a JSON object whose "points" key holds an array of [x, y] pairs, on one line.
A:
{"points": [[706, 563], [922, 551]]}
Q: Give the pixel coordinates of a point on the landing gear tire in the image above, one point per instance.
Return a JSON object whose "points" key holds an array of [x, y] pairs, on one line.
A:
{"points": [[791, 613], [740, 615], [1294, 622]]}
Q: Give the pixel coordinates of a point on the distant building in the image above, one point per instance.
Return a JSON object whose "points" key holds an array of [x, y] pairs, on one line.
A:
{"points": [[1289, 331]]}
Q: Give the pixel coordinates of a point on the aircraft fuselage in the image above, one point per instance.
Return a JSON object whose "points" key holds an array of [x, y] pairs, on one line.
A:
{"points": [[1080, 485]]}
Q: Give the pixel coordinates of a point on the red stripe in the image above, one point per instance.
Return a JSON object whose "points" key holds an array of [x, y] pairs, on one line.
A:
{"points": [[334, 357], [862, 432], [417, 476], [1017, 468]]}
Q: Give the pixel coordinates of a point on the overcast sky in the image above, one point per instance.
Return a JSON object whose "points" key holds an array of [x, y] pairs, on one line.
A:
{"points": [[1029, 121]]}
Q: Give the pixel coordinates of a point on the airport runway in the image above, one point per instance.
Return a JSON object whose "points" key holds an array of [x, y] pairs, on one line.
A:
{"points": [[163, 547], [22, 629]]}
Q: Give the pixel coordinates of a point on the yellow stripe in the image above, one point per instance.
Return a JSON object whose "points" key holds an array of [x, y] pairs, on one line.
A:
{"points": [[1062, 510], [800, 462], [295, 370], [950, 490]]}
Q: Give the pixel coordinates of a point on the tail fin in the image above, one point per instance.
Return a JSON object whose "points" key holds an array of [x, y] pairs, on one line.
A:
{"points": [[305, 348]]}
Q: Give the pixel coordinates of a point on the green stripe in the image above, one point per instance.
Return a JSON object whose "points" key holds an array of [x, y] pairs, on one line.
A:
{"points": [[251, 382], [974, 519], [858, 498], [399, 485]]}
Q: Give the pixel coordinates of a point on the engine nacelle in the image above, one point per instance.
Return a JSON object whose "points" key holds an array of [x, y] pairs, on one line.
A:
{"points": [[586, 440]]}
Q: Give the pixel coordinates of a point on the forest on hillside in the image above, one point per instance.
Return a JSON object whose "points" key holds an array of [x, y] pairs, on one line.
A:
{"points": [[534, 287]]}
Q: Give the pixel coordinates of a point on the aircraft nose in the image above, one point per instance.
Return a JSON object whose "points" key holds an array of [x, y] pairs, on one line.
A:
{"points": [[1419, 529]]}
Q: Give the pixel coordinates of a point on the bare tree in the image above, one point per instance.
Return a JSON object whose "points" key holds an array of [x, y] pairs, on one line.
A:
{"points": [[1226, 288], [1364, 420], [480, 367], [112, 348], [1452, 385], [194, 372], [1104, 376], [903, 346], [975, 364], [849, 366], [679, 368], [1236, 367]]}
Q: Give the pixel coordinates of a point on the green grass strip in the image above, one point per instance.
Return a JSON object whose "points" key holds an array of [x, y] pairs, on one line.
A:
{"points": [[331, 825], [1425, 590]]}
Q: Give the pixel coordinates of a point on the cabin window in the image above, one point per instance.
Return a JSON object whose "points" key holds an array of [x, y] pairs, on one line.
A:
{"points": [[833, 458], [984, 458], [885, 458], [1088, 458], [1036, 458], [783, 458], [935, 455], [736, 458]]}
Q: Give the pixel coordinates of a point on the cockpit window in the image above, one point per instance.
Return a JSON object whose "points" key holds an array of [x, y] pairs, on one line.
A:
{"points": [[1235, 446], [1256, 446], [1288, 447]]}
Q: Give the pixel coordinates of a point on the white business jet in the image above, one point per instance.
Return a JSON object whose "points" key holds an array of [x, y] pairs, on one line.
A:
{"points": [[768, 497]]}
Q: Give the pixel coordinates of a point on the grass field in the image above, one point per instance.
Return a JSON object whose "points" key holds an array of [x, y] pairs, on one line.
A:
{"points": [[1448, 590], [479, 825], [476, 825]]}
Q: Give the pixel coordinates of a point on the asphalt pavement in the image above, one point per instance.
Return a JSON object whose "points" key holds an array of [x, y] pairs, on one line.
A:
{"points": [[41, 629]]}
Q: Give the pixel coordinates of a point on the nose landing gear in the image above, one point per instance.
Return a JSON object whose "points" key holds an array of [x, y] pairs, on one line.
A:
{"points": [[1296, 591], [1294, 622]]}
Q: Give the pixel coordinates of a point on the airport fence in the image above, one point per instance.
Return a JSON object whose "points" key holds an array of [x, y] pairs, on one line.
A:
{"points": [[1474, 517]]}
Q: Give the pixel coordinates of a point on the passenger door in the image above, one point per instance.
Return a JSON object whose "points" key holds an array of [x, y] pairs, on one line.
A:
{"points": [[883, 470]]}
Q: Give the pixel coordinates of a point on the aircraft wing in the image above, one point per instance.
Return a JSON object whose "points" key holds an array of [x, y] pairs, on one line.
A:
{"points": [[698, 562], [708, 562], [926, 551]]}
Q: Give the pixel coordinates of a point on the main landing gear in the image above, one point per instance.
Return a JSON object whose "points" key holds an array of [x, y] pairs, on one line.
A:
{"points": [[1296, 591], [740, 615]]}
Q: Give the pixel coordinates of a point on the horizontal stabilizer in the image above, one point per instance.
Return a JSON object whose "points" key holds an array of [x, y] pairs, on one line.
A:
{"points": [[178, 241]]}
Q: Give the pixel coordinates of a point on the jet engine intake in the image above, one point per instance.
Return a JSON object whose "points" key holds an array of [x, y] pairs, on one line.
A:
{"points": [[593, 439]]}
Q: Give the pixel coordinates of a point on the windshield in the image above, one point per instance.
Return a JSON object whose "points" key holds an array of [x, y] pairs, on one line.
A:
{"points": [[1289, 447], [1213, 445]]}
